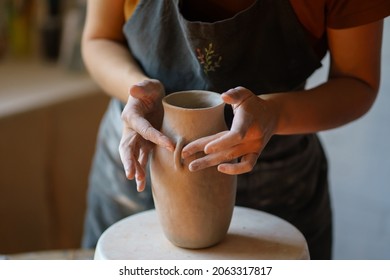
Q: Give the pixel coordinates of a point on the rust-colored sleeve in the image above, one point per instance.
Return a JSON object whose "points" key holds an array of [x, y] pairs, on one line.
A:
{"points": [[350, 13]]}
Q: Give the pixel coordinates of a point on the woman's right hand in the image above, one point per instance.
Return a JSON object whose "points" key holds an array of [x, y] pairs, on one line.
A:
{"points": [[142, 117]]}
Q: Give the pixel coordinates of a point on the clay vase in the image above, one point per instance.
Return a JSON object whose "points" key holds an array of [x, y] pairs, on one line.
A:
{"points": [[194, 208]]}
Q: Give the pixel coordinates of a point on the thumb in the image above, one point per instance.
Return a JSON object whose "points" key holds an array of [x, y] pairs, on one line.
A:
{"points": [[147, 88], [137, 91], [242, 120], [236, 96]]}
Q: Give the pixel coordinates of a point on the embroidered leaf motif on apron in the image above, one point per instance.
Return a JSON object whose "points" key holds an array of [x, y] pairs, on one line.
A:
{"points": [[209, 59]]}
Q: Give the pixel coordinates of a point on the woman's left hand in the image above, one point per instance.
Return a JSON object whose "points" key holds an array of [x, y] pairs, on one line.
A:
{"points": [[253, 125]]}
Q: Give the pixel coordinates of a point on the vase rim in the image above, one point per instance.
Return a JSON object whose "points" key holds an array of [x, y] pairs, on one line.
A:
{"points": [[194, 100]]}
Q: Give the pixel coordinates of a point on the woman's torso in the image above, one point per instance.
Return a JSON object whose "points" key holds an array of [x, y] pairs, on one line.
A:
{"points": [[314, 16]]}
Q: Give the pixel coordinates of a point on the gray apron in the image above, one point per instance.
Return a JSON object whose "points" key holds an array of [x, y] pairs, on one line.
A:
{"points": [[262, 48]]}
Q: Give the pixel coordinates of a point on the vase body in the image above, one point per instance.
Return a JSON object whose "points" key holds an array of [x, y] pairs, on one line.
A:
{"points": [[194, 208]]}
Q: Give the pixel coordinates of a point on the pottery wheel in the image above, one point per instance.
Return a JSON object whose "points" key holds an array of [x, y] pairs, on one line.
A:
{"points": [[252, 234]]}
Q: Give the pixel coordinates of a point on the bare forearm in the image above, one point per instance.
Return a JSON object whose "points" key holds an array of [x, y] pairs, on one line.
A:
{"points": [[330, 105], [112, 66]]}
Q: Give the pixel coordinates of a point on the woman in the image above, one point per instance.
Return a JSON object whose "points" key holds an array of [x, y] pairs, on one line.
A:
{"points": [[258, 54]]}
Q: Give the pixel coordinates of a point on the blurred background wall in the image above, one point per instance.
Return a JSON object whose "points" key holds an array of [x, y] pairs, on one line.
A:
{"points": [[46, 29], [49, 116]]}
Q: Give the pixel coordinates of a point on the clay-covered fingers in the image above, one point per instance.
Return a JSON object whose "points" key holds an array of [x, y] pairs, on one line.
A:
{"points": [[226, 160], [237, 150], [224, 142], [134, 151], [199, 145], [124, 152], [140, 168], [242, 120], [143, 112], [148, 132], [142, 118], [245, 164], [213, 159]]}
